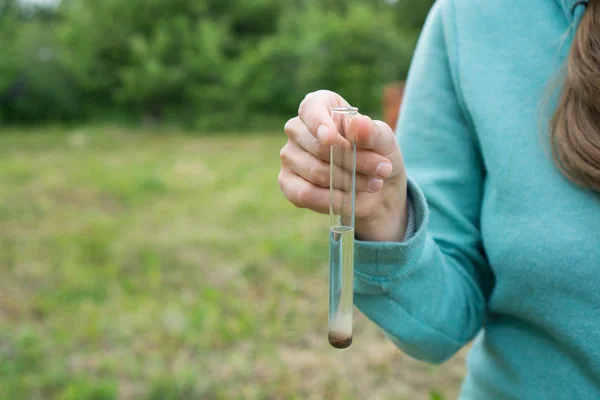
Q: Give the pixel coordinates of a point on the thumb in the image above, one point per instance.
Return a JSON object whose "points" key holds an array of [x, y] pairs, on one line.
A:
{"points": [[378, 137]]}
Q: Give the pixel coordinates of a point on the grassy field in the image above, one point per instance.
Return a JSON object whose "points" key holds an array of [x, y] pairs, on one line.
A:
{"points": [[160, 266]]}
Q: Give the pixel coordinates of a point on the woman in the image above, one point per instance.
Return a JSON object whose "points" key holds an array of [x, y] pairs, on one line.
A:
{"points": [[468, 228]]}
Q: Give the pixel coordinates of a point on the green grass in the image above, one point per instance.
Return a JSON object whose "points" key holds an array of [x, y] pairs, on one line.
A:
{"points": [[159, 266]]}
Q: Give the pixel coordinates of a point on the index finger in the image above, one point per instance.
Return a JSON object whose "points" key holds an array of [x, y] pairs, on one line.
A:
{"points": [[314, 113]]}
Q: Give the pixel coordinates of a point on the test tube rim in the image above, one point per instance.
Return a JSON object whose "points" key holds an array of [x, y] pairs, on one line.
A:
{"points": [[344, 110]]}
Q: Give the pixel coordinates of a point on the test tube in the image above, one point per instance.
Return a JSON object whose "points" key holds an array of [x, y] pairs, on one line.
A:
{"points": [[342, 173]]}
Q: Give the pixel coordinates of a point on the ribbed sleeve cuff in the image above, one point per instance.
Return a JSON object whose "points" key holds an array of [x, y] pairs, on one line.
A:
{"points": [[411, 224], [378, 264]]}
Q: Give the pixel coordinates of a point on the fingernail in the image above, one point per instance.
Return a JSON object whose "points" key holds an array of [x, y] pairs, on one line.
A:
{"points": [[323, 133], [384, 169], [375, 184]]}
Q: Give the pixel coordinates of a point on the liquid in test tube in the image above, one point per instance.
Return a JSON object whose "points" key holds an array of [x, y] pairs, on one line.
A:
{"points": [[342, 166]]}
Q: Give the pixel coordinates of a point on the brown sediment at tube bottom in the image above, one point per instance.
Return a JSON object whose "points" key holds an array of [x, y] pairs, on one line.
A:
{"points": [[339, 341]]}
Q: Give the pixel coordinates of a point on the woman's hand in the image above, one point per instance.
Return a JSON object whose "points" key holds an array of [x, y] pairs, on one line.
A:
{"points": [[380, 208]]}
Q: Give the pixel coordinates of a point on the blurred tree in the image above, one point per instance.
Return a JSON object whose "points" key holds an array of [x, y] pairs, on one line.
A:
{"points": [[209, 63], [104, 38], [8, 25], [158, 57], [34, 85], [410, 14], [354, 52]]}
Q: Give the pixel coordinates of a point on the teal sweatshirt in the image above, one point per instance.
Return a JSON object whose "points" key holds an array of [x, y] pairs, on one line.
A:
{"points": [[506, 250]]}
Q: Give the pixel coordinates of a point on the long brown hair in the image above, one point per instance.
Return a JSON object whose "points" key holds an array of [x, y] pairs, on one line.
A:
{"points": [[575, 126]]}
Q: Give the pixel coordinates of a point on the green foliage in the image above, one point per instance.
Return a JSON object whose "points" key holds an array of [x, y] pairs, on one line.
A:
{"points": [[435, 395], [90, 390], [34, 84], [205, 63], [345, 52], [410, 14], [170, 389]]}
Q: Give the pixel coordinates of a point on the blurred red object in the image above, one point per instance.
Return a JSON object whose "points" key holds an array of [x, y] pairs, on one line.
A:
{"points": [[392, 99]]}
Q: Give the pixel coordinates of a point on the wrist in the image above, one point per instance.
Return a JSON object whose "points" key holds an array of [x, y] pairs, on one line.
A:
{"points": [[388, 221]]}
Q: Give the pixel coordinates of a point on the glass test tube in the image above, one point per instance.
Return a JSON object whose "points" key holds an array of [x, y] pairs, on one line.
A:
{"points": [[341, 240]]}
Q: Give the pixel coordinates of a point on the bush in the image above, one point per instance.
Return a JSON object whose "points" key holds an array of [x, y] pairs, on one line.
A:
{"points": [[346, 52], [210, 64], [34, 84]]}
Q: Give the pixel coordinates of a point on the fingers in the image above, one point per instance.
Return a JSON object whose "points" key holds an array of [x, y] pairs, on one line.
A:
{"points": [[318, 172], [297, 132], [368, 162], [314, 113], [302, 193], [377, 137]]}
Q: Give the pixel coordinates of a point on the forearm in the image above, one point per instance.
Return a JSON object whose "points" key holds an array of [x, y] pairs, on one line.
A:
{"points": [[419, 295]]}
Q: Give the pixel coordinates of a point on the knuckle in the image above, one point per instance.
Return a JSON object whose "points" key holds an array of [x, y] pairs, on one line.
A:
{"points": [[323, 93], [288, 128], [284, 155], [321, 150], [281, 180], [303, 197], [317, 174], [361, 164], [382, 125], [306, 99], [326, 93]]}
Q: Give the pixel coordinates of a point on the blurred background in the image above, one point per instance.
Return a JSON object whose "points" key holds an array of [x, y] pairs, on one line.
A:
{"points": [[145, 249]]}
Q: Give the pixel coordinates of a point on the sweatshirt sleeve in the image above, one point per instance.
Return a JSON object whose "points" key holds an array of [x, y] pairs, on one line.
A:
{"points": [[429, 292]]}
